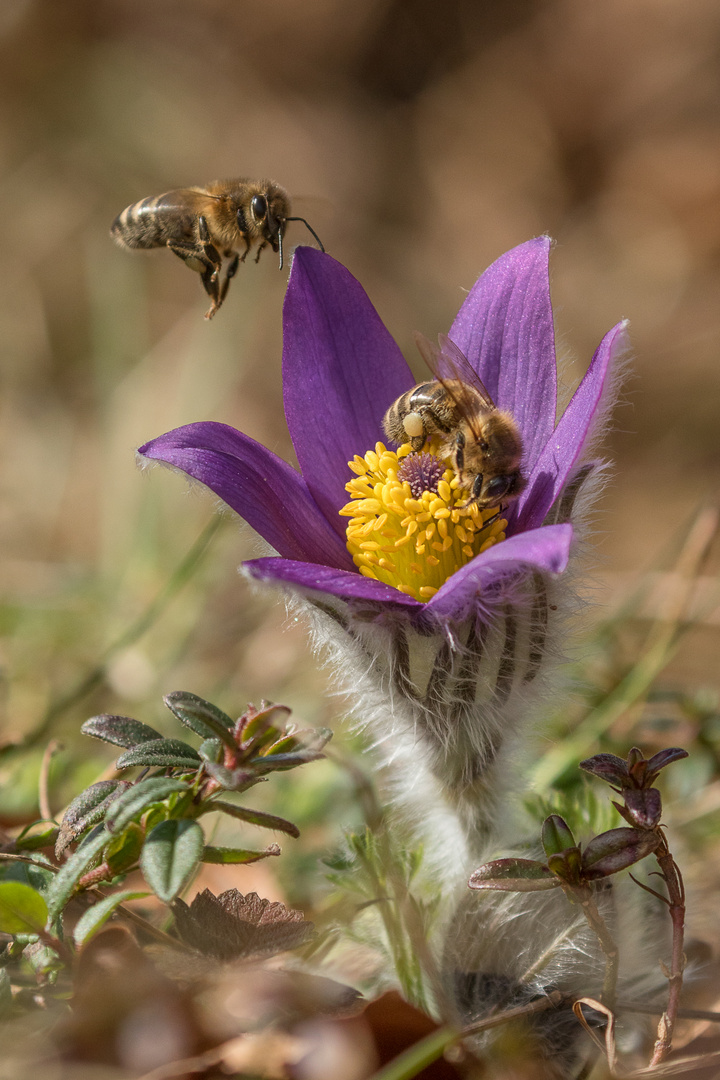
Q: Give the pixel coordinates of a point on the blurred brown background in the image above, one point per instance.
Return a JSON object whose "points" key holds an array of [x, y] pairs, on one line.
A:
{"points": [[425, 139]]}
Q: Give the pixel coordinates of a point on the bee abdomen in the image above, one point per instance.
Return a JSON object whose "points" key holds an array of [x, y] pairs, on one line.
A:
{"points": [[430, 408], [393, 421], [152, 222]]}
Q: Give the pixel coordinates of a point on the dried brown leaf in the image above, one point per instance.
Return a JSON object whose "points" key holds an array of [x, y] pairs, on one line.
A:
{"points": [[232, 926]]}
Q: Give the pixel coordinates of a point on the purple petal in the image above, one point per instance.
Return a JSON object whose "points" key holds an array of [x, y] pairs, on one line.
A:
{"points": [[269, 494], [505, 328], [546, 549], [562, 450], [324, 579], [341, 371]]}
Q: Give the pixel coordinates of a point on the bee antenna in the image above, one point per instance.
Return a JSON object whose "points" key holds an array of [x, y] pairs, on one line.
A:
{"points": [[310, 229]]}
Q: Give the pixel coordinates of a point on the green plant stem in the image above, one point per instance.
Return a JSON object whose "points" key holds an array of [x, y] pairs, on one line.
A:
{"points": [[52, 748], [413, 1060], [148, 928], [417, 1057], [411, 962]]}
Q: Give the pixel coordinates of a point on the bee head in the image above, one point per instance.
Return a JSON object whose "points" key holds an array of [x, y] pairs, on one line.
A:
{"points": [[498, 477], [268, 212], [489, 491]]}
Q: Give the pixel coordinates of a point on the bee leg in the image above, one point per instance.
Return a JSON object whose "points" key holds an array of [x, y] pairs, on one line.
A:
{"points": [[246, 252], [263, 245], [229, 274], [460, 453], [209, 278], [198, 258], [209, 250]]}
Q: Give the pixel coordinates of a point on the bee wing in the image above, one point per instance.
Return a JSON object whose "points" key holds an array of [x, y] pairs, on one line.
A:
{"points": [[451, 368], [429, 352], [194, 199], [455, 363]]}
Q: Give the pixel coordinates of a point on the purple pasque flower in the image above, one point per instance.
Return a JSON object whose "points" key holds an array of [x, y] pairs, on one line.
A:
{"points": [[341, 371], [449, 673]]}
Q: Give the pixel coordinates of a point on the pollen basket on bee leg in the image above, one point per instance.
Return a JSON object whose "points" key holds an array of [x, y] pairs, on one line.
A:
{"points": [[411, 525], [414, 426]]}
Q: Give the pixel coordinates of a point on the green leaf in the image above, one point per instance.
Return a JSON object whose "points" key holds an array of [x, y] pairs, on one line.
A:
{"points": [[42, 959], [135, 801], [277, 762], [237, 855], [232, 779], [64, 882], [513, 875], [556, 835], [161, 753], [172, 852], [266, 726], [38, 874], [254, 817], [22, 909], [95, 917], [86, 810], [119, 730], [211, 750], [123, 851], [201, 716], [39, 834], [307, 739]]}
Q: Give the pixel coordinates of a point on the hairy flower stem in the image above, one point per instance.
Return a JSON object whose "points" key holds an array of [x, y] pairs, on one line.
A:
{"points": [[583, 896], [403, 925], [676, 902]]}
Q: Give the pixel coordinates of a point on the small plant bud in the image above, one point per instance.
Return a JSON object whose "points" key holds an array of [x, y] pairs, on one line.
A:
{"points": [[556, 835]]}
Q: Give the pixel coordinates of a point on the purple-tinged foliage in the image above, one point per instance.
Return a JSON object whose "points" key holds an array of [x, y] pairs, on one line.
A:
{"points": [[637, 773]]}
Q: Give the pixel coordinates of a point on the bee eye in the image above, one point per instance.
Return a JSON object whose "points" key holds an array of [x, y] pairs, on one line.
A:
{"points": [[498, 486], [259, 207]]}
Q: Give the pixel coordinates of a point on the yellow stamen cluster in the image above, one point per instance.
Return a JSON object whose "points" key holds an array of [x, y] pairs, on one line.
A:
{"points": [[412, 543]]}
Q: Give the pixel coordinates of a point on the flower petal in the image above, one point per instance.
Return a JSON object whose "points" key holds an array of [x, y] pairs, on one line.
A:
{"points": [[269, 494], [341, 371], [546, 549], [560, 453], [324, 579], [505, 328]]}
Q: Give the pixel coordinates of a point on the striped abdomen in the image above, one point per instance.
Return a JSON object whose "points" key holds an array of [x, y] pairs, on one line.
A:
{"points": [[430, 401], [154, 221]]}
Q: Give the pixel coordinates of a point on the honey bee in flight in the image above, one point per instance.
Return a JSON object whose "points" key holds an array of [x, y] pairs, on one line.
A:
{"points": [[482, 441], [204, 225]]}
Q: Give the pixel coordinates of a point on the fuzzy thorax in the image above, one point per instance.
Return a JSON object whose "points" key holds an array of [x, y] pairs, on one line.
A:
{"points": [[411, 523]]}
